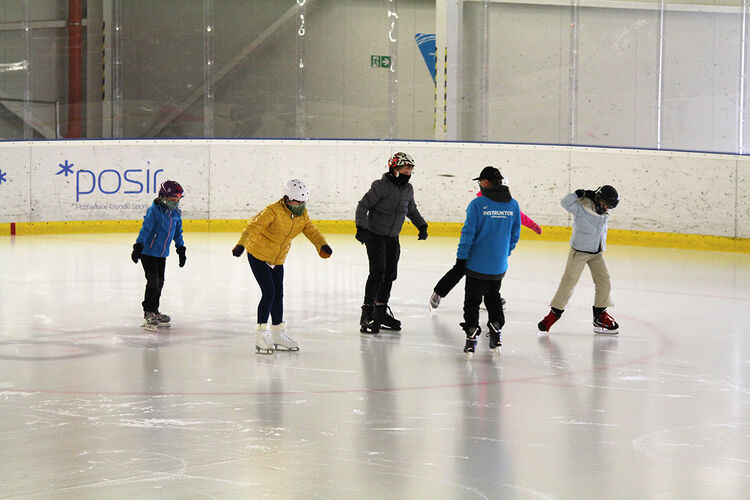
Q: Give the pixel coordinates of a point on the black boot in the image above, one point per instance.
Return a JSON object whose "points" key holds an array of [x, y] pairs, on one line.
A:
{"points": [[366, 322], [496, 336], [384, 317], [472, 332]]}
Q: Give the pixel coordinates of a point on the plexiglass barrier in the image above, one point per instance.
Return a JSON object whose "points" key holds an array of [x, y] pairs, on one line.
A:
{"points": [[639, 74]]}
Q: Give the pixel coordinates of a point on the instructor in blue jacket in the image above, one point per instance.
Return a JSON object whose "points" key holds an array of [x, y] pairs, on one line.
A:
{"points": [[489, 235]]}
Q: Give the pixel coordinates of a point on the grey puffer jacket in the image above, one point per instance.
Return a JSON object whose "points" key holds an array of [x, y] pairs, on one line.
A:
{"points": [[385, 206], [589, 228]]}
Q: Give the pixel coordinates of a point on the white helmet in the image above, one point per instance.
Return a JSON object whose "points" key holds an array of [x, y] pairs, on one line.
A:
{"points": [[296, 190]]}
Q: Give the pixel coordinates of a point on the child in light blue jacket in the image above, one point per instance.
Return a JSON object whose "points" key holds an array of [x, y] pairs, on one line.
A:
{"points": [[161, 224], [489, 235], [590, 211]]}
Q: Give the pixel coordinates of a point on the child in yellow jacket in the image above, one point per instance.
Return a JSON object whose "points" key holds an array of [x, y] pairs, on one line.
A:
{"points": [[267, 239]]}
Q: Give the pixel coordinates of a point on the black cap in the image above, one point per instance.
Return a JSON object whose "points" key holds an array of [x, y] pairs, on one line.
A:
{"points": [[491, 174]]}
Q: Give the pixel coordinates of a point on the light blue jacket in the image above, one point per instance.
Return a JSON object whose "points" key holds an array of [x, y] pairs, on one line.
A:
{"points": [[589, 228], [160, 226], [489, 235]]}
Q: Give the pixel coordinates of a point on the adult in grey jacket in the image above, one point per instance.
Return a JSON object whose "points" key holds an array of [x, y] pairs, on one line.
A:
{"points": [[380, 215], [590, 211]]}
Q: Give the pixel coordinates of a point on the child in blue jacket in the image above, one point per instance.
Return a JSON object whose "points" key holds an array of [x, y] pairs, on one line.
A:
{"points": [[161, 224], [489, 235]]}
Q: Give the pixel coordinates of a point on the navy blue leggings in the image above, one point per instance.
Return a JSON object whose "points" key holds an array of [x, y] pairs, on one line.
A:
{"points": [[271, 283]]}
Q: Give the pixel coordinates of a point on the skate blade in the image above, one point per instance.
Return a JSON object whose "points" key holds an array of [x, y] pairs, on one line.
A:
{"points": [[149, 328], [496, 350], [606, 332], [261, 350], [280, 347], [165, 325], [468, 355], [368, 330]]}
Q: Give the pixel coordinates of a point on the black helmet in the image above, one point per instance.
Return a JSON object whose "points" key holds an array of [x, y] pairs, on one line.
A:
{"points": [[608, 195]]}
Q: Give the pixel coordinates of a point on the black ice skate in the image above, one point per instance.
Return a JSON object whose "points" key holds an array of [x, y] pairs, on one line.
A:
{"points": [[496, 337], [604, 323], [366, 322], [472, 332], [549, 320], [384, 317], [163, 319], [150, 322]]}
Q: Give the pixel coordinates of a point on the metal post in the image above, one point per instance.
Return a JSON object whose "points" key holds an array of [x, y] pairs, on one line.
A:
{"points": [[573, 71], [300, 95], [28, 115], [660, 89], [484, 79], [393, 70], [117, 108], [208, 68]]}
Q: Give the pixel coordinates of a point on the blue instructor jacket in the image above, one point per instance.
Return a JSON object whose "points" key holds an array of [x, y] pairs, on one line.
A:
{"points": [[490, 233]]}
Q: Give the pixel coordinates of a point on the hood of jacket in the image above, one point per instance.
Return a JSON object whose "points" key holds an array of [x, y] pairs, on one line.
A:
{"points": [[500, 193]]}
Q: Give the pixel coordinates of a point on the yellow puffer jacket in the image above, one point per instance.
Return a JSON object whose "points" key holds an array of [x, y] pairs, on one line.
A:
{"points": [[269, 234]]}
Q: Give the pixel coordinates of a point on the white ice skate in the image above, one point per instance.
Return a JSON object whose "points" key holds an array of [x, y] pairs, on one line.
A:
{"points": [[281, 340], [263, 341]]}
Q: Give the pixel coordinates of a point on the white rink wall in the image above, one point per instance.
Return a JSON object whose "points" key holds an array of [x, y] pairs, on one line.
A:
{"points": [[689, 193]]}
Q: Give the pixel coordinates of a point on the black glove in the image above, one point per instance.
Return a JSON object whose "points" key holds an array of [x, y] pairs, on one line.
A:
{"points": [[422, 233], [181, 253], [325, 251], [137, 249], [460, 264], [579, 192], [362, 235], [237, 250]]}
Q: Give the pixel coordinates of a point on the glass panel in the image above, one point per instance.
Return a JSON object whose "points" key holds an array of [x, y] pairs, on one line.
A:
{"points": [[162, 68], [701, 72], [528, 73], [617, 80], [42, 51]]}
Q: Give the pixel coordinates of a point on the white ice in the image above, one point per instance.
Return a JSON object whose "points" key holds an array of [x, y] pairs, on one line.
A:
{"points": [[91, 406]]}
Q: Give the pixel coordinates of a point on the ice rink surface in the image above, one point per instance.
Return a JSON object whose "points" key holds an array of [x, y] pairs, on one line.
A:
{"points": [[91, 406]]}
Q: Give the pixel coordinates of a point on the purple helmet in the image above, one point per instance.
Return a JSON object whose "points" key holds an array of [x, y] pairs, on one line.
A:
{"points": [[170, 188]]}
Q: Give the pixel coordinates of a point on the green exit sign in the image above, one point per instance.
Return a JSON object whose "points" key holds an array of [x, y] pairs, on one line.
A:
{"points": [[380, 61]]}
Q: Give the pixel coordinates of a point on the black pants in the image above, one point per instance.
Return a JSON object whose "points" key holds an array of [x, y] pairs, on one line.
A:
{"points": [[449, 281], [383, 253], [153, 267], [271, 282], [489, 290]]}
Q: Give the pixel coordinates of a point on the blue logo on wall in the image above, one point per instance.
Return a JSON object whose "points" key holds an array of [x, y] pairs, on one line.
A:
{"points": [[426, 44], [2, 177], [112, 181]]}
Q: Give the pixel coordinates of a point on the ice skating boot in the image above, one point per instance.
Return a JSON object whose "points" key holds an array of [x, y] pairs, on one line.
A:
{"points": [[496, 337], [384, 317], [263, 340], [164, 320], [367, 323], [281, 340], [434, 300], [472, 332], [604, 323], [150, 322], [549, 320]]}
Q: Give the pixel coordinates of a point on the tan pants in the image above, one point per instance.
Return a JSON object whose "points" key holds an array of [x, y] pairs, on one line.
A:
{"points": [[573, 269]]}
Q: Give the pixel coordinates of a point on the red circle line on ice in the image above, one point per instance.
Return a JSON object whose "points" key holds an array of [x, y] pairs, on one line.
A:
{"points": [[665, 346]]}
